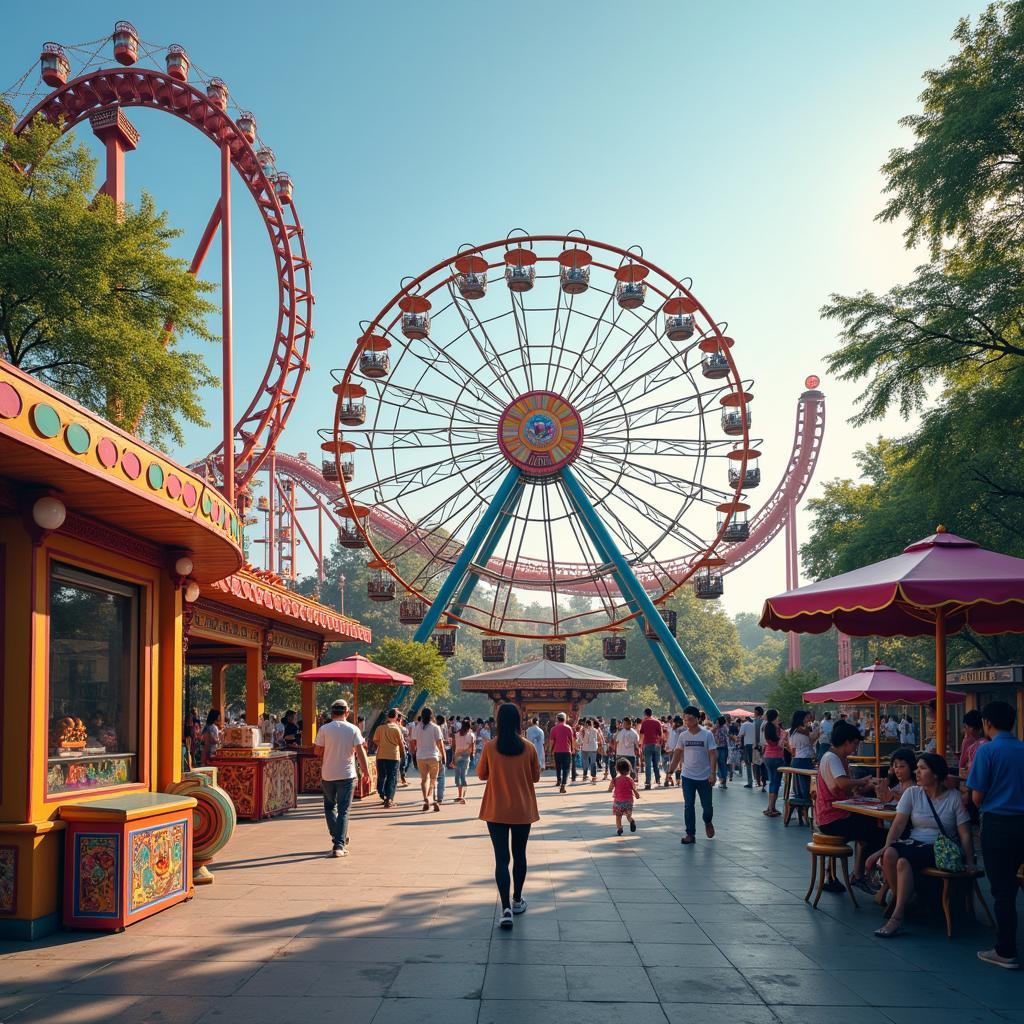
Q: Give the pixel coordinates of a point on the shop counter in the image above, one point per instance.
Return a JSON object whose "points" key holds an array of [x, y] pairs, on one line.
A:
{"points": [[126, 858], [261, 782]]}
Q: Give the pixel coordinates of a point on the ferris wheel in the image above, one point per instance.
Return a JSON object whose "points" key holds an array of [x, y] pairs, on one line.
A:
{"points": [[544, 436]]}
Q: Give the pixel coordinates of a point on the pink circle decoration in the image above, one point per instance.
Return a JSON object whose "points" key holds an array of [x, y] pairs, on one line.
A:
{"points": [[10, 401], [189, 495], [106, 452], [216, 513], [132, 465], [173, 486]]}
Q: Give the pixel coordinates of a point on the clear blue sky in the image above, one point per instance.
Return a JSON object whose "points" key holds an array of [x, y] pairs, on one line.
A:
{"points": [[738, 143]]}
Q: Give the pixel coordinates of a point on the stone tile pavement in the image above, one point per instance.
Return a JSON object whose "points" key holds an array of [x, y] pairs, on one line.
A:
{"points": [[402, 931]]}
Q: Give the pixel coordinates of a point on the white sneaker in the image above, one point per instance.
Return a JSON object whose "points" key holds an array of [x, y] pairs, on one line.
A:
{"points": [[519, 906], [505, 921], [990, 956]]}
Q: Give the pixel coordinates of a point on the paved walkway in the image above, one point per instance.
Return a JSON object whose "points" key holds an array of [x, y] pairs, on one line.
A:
{"points": [[636, 929]]}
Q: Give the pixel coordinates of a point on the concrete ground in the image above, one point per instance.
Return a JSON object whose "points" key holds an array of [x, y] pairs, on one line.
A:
{"points": [[636, 929]]}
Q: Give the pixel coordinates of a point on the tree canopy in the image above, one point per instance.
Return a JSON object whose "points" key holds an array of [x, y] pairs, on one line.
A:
{"points": [[86, 289]]}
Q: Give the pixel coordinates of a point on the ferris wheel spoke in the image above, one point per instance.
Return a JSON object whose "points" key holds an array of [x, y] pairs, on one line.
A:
{"points": [[418, 401], [519, 551], [552, 560], [522, 336], [668, 525], [631, 348], [444, 513], [425, 474], [413, 438], [684, 486], [488, 351], [651, 415], [692, 447], [585, 356]]}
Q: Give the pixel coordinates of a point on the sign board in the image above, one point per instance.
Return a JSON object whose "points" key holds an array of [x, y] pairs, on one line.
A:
{"points": [[219, 627], [990, 674]]}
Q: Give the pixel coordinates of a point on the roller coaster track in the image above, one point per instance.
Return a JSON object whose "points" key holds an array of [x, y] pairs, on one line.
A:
{"points": [[765, 524]]}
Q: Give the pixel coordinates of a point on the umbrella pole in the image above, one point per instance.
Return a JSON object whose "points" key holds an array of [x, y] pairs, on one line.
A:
{"points": [[940, 683], [878, 758]]}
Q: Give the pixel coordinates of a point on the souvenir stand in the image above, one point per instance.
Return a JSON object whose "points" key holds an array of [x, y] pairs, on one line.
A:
{"points": [[102, 540], [350, 672], [251, 618]]}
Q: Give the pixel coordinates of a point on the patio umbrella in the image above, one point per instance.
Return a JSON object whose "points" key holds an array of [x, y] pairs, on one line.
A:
{"points": [[937, 586], [878, 684], [739, 713], [354, 670]]}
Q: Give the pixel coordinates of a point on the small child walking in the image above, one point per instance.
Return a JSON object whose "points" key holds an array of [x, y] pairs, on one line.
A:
{"points": [[624, 792]]}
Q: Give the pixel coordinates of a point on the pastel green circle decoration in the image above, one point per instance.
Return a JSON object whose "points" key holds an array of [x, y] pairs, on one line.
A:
{"points": [[207, 504], [155, 476], [46, 420], [78, 438]]}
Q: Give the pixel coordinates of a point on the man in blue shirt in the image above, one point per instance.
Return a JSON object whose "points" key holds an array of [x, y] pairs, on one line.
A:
{"points": [[997, 784]]}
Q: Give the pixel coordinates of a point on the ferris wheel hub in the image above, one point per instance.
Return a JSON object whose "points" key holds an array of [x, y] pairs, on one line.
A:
{"points": [[540, 433]]}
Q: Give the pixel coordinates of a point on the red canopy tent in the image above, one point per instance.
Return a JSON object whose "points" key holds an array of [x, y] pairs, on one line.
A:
{"points": [[876, 685], [354, 670], [739, 713], [937, 586]]}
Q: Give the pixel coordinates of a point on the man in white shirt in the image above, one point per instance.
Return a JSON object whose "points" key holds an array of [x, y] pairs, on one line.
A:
{"points": [[824, 735], [535, 734], [671, 743], [341, 744], [590, 743], [627, 745], [697, 751], [428, 746]]}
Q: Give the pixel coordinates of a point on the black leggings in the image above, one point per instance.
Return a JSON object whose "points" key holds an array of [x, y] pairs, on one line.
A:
{"points": [[500, 839]]}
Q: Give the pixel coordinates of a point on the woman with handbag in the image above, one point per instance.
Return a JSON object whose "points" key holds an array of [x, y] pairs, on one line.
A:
{"points": [[939, 836]]}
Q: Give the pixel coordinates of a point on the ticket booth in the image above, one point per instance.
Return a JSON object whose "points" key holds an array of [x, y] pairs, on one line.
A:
{"points": [[102, 538]]}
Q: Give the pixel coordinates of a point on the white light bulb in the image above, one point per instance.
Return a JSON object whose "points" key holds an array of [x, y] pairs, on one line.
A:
{"points": [[184, 566], [191, 591], [49, 513]]}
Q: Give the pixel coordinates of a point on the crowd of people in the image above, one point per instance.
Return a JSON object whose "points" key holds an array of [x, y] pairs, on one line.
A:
{"points": [[937, 809]]}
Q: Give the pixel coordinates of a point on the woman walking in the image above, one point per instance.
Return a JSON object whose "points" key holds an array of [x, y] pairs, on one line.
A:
{"points": [[509, 766], [465, 747], [211, 735], [428, 747], [721, 735], [774, 756]]}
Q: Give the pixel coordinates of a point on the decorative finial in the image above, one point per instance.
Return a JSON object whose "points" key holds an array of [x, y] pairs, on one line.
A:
{"points": [[940, 528]]}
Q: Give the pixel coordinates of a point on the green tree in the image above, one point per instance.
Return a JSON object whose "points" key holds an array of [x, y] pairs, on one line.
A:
{"points": [[421, 661], [86, 289], [788, 693]]}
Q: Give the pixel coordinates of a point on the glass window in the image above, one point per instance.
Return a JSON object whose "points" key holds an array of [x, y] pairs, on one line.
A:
{"points": [[94, 682]]}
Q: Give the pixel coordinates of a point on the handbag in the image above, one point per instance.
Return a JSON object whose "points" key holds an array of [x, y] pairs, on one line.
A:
{"points": [[948, 854]]}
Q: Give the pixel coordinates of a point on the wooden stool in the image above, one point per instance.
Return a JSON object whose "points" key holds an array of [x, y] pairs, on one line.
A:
{"points": [[825, 850], [973, 889]]}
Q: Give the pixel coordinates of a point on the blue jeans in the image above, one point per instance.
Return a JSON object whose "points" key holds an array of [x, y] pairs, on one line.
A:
{"points": [[337, 801], [461, 764], [652, 755], [439, 790], [801, 783], [387, 778], [723, 764], [590, 763], [691, 789], [773, 764]]}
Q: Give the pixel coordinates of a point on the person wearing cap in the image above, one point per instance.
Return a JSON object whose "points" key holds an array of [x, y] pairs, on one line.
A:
{"points": [[340, 744]]}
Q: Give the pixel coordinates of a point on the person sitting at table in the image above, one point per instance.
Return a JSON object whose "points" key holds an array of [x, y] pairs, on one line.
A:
{"points": [[902, 765], [835, 784], [931, 810]]}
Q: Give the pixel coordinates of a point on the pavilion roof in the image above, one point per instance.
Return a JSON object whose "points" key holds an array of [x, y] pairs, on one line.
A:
{"points": [[541, 671]]}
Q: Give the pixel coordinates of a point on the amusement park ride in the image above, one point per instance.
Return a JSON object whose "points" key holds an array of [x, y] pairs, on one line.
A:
{"points": [[543, 436]]}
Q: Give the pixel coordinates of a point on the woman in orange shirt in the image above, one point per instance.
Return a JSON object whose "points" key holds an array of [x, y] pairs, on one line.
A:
{"points": [[509, 766]]}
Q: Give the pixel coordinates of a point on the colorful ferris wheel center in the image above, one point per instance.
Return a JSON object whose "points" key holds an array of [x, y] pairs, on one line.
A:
{"points": [[540, 433]]}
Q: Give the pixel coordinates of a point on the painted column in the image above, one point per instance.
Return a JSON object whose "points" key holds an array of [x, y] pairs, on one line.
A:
{"points": [[253, 685], [227, 384], [308, 708], [170, 689]]}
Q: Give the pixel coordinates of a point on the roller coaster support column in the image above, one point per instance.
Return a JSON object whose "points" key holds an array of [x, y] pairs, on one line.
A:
{"points": [[792, 579], [227, 384], [637, 592], [659, 655]]}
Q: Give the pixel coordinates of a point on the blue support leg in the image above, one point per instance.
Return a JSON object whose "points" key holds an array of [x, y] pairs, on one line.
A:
{"points": [[484, 539], [637, 592], [659, 655]]}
